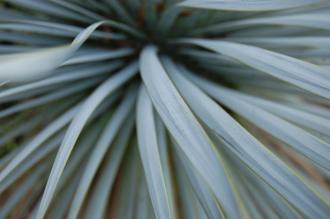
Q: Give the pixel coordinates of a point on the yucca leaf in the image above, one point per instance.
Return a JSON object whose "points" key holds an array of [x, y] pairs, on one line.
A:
{"points": [[75, 165], [23, 189], [12, 64], [52, 9], [95, 56], [231, 121], [101, 193], [126, 198], [11, 174], [300, 117], [149, 152], [248, 5], [49, 98], [143, 205], [204, 195], [78, 9], [255, 156], [75, 128], [314, 20], [51, 29], [185, 128], [300, 140], [62, 201], [99, 152], [190, 206], [302, 74], [72, 75], [39, 139], [120, 10], [24, 128], [285, 42]]}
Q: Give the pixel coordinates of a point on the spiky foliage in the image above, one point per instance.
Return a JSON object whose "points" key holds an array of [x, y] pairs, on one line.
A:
{"points": [[165, 109]]}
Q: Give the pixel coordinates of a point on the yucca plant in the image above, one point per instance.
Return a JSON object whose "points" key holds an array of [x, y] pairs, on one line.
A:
{"points": [[165, 109]]}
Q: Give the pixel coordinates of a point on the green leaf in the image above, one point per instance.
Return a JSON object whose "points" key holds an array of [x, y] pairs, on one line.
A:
{"points": [[285, 42], [249, 150], [247, 5], [64, 76], [316, 20], [33, 62], [299, 73], [23, 189], [74, 8], [185, 129], [202, 192], [62, 201], [99, 152], [38, 140], [48, 7], [300, 117], [96, 56], [300, 140], [75, 128], [150, 156], [126, 197], [190, 206], [51, 29], [65, 92], [105, 182], [8, 178]]}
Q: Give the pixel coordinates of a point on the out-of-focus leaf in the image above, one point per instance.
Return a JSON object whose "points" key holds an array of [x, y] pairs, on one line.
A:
{"points": [[76, 127], [99, 152], [247, 5], [299, 73], [32, 63], [305, 143], [96, 56], [67, 76], [98, 201], [22, 190], [316, 20]]}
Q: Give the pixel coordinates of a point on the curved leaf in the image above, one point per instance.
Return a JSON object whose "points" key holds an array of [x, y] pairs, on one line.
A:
{"points": [[299, 73], [186, 130], [247, 5], [75, 129], [257, 157], [150, 156]]}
